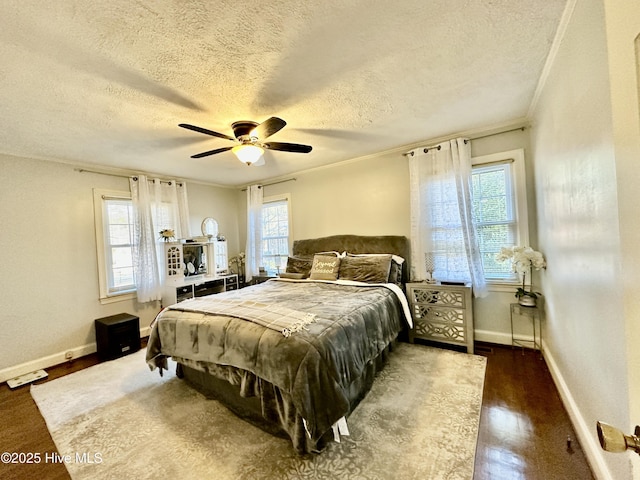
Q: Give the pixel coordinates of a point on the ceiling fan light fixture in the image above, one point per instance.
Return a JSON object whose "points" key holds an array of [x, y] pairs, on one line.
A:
{"points": [[248, 153], [250, 137]]}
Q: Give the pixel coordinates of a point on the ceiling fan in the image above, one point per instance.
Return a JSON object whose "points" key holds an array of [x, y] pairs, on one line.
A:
{"points": [[250, 136]]}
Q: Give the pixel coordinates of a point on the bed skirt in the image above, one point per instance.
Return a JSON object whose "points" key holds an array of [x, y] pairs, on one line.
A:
{"points": [[265, 405]]}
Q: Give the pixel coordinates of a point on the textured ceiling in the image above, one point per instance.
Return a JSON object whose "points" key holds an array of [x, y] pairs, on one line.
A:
{"points": [[107, 82]]}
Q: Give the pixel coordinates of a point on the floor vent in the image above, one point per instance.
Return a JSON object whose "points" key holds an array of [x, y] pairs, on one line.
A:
{"points": [[483, 349]]}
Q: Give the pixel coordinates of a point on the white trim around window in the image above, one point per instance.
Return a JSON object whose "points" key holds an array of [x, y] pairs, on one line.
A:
{"points": [[279, 198], [103, 273], [520, 195], [282, 199]]}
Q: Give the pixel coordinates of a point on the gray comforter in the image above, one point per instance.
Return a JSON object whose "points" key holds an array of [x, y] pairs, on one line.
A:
{"points": [[315, 366]]}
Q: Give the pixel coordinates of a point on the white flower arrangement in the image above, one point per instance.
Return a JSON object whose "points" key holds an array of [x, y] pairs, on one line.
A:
{"points": [[523, 260], [238, 261]]}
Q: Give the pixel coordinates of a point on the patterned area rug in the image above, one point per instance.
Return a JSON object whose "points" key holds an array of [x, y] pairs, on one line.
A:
{"points": [[119, 420]]}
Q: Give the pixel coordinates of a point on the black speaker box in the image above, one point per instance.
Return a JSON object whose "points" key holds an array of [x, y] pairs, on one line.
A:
{"points": [[117, 335]]}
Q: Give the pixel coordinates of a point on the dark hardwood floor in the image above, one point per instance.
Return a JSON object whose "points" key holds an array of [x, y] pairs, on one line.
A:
{"points": [[523, 428]]}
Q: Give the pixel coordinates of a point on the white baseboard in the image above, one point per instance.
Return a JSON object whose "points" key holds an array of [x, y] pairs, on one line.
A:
{"points": [[55, 359], [45, 362], [585, 433]]}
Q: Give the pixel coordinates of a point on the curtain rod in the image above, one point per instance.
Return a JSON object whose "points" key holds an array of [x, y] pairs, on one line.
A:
{"points": [[82, 170], [135, 177], [498, 133], [438, 147], [293, 179]]}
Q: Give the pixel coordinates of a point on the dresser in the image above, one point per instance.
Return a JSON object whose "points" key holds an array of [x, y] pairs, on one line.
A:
{"points": [[441, 313], [177, 292]]}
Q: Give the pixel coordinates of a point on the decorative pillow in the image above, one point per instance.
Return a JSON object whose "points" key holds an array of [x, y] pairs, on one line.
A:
{"points": [[300, 265], [366, 268], [295, 276], [325, 267]]}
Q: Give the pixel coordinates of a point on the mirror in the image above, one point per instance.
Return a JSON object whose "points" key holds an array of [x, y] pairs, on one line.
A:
{"points": [[210, 227]]}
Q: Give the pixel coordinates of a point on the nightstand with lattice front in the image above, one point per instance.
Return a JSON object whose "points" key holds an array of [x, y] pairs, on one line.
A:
{"points": [[441, 313]]}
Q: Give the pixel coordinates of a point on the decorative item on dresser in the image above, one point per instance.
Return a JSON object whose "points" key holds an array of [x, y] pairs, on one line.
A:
{"points": [[221, 256], [192, 269], [209, 228], [210, 232], [237, 266], [188, 259], [167, 235], [429, 267], [442, 313]]}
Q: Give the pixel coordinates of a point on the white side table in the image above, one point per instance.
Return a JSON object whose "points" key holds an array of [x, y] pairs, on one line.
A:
{"points": [[533, 316]]}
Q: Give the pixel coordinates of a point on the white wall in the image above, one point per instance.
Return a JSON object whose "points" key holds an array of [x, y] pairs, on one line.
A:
{"points": [[364, 197], [219, 203], [577, 173], [623, 47], [49, 282]]}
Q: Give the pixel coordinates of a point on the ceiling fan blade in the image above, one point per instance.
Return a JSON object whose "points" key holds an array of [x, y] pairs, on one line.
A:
{"points": [[205, 131], [211, 152], [288, 147], [268, 128]]}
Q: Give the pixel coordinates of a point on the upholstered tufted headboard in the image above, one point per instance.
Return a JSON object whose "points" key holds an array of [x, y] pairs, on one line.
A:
{"points": [[395, 244]]}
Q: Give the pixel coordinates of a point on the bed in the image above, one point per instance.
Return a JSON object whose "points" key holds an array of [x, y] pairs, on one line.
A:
{"points": [[294, 355]]}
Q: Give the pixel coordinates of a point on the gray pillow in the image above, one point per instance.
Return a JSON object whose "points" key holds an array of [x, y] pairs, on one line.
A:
{"points": [[295, 276], [370, 269], [395, 273], [299, 265]]}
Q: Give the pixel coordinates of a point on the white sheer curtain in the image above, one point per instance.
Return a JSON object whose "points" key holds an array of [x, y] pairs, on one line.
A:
{"points": [[442, 229], [157, 205], [254, 231]]}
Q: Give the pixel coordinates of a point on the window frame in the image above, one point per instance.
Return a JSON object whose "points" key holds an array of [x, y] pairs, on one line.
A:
{"points": [[279, 198], [519, 192], [99, 195]]}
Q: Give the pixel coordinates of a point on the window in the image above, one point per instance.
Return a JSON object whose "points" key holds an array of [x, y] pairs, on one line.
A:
{"points": [[114, 238], [276, 215], [494, 216], [499, 209]]}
